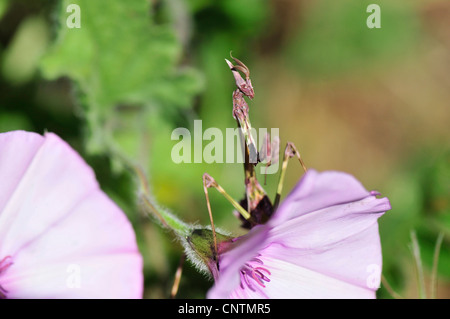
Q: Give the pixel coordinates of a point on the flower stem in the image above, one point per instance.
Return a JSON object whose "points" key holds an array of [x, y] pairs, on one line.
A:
{"points": [[167, 219], [389, 289], [437, 249], [176, 283], [418, 265]]}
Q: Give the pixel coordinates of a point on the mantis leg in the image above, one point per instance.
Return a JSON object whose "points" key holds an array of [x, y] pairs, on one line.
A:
{"points": [[289, 152], [209, 182]]}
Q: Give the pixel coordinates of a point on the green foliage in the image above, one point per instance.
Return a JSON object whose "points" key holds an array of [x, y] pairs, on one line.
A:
{"points": [[435, 212], [22, 56], [335, 38], [125, 66], [420, 197]]}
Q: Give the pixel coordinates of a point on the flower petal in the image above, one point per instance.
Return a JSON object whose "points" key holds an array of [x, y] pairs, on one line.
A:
{"points": [[97, 238], [237, 254], [319, 190], [330, 225], [323, 242], [14, 160], [293, 281], [58, 219], [101, 277], [55, 181], [355, 260], [341, 241]]}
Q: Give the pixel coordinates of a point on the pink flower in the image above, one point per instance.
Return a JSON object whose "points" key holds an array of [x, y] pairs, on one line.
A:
{"points": [[60, 235], [322, 242]]}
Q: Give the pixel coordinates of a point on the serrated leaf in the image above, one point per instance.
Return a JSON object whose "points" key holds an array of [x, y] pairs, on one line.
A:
{"points": [[120, 57]]}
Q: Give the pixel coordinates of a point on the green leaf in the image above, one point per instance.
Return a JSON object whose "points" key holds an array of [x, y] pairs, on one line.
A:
{"points": [[125, 65], [21, 57]]}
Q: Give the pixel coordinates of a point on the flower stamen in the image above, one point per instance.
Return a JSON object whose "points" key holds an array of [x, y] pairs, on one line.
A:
{"points": [[4, 264], [256, 272]]}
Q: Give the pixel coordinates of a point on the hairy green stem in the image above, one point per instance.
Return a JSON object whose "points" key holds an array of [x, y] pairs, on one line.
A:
{"points": [[167, 219]]}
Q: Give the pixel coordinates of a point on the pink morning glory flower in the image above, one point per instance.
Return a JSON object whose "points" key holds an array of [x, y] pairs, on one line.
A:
{"points": [[60, 235], [322, 242]]}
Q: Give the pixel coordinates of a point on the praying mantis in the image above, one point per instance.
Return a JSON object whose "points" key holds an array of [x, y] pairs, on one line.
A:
{"points": [[256, 208]]}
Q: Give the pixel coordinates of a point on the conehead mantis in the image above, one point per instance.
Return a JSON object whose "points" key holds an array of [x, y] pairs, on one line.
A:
{"points": [[256, 207]]}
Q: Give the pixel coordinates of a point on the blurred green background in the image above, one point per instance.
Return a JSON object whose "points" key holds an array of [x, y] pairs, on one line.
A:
{"points": [[371, 102]]}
